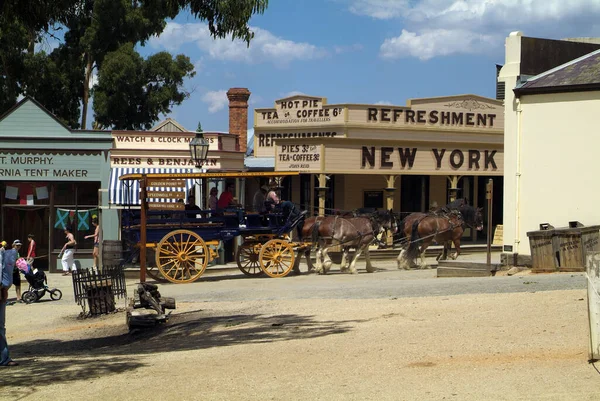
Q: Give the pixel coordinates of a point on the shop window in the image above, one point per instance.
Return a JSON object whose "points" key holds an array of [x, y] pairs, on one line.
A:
{"points": [[75, 210]]}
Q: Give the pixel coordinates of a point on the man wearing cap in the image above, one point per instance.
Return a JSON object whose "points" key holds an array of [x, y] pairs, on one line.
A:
{"points": [[7, 265]]}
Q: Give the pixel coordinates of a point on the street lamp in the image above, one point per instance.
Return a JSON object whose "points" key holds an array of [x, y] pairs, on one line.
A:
{"points": [[199, 149]]}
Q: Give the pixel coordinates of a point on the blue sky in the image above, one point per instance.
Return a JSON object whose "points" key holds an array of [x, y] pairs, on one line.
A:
{"points": [[362, 51]]}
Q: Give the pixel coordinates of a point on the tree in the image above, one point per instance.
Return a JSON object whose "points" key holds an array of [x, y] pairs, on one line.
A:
{"points": [[92, 30], [133, 92]]}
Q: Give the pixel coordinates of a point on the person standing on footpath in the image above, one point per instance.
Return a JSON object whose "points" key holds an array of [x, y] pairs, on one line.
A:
{"points": [[96, 236], [30, 250], [16, 280], [7, 264], [68, 250]]}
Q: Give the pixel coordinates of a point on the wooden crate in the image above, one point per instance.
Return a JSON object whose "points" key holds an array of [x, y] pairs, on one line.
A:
{"points": [[543, 251], [573, 243]]}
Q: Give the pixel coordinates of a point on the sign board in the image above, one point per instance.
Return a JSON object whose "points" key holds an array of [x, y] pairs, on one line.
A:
{"points": [[298, 157], [166, 206], [51, 166], [373, 199], [166, 194], [165, 183]]}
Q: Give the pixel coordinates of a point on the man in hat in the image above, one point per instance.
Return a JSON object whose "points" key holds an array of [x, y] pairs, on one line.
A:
{"points": [[8, 261], [258, 202]]}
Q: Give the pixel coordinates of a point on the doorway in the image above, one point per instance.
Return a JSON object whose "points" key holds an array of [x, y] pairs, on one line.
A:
{"points": [[20, 221]]}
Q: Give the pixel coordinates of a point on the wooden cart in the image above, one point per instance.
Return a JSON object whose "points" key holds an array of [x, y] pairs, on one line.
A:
{"points": [[185, 242]]}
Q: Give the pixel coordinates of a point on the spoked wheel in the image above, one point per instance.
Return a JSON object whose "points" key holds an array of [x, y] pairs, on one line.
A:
{"points": [[277, 258], [29, 297], [247, 259], [152, 269], [55, 294], [182, 256]]}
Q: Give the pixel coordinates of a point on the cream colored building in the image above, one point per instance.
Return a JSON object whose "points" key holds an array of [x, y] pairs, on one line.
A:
{"points": [[408, 158], [550, 141]]}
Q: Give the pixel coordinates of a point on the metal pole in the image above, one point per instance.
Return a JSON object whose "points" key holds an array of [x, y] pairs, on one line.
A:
{"points": [[143, 230], [489, 196]]}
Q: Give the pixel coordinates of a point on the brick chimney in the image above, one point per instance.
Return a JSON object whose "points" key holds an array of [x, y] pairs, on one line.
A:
{"points": [[238, 114]]}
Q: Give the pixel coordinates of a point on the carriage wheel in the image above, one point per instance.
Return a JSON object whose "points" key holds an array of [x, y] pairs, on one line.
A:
{"points": [[152, 269], [277, 258], [247, 259], [181, 256]]}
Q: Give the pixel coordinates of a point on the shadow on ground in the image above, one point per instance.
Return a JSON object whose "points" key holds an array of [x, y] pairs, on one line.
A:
{"points": [[113, 349]]}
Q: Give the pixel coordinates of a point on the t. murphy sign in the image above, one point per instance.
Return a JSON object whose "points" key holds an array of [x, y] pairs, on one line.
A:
{"points": [[51, 167]]}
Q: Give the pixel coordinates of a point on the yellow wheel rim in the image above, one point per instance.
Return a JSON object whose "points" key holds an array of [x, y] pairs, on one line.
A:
{"points": [[277, 258], [182, 256]]}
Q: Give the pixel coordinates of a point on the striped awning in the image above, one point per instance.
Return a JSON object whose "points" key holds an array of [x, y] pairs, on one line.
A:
{"points": [[127, 192]]}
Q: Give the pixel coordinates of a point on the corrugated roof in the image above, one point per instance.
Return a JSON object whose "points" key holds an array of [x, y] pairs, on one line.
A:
{"points": [[582, 73], [259, 163]]}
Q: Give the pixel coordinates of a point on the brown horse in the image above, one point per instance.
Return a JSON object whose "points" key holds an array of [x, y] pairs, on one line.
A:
{"points": [[422, 229], [357, 232]]}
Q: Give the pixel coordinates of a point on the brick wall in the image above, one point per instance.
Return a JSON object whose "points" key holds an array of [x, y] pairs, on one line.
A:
{"points": [[238, 114]]}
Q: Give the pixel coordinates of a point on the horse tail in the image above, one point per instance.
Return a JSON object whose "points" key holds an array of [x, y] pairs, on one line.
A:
{"points": [[315, 232], [413, 247]]}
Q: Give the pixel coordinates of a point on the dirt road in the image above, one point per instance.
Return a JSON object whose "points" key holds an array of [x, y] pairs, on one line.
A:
{"points": [[516, 346]]}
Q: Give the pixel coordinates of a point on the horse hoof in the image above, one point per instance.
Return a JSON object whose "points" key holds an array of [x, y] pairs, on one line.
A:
{"points": [[353, 271], [371, 269]]}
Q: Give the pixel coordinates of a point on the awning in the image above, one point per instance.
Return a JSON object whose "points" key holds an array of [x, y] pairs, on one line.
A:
{"points": [[127, 192]]}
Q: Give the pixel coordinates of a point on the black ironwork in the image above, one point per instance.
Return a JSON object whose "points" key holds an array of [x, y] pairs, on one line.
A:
{"points": [[95, 291]]}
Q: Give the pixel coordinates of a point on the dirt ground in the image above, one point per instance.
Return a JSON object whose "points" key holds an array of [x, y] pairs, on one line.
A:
{"points": [[518, 346]]}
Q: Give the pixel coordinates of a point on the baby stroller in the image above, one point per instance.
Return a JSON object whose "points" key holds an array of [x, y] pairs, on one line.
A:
{"points": [[37, 283]]}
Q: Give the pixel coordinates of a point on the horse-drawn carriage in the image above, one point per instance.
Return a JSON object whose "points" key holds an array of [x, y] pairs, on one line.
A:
{"points": [[186, 241]]}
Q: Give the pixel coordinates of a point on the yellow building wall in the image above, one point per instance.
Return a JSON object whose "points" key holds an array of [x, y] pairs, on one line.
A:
{"points": [[349, 196], [437, 190]]}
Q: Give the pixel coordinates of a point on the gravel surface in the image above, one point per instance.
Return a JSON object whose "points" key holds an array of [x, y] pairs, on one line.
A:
{"points": [[392, 335]]}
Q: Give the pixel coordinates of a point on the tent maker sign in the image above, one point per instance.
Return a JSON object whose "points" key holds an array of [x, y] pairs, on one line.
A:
{"points": [[49, 166]]}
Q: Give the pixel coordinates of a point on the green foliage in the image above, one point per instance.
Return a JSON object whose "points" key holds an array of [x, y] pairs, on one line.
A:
{"points": [[101, 35], [55, 81], [133, 92]]}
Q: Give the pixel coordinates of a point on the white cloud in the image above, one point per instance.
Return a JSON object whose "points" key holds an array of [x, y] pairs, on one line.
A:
{"points": [[199, 65], [93, 80], [265, 47], [217, 100], [432, 28], [384, 103], [437, 42]]}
